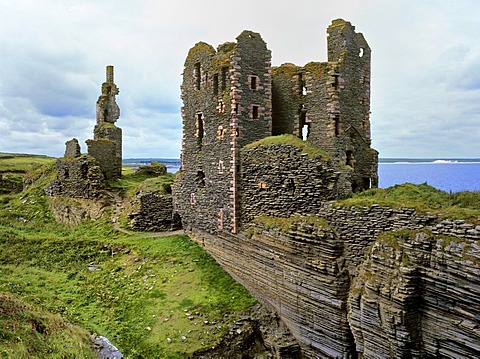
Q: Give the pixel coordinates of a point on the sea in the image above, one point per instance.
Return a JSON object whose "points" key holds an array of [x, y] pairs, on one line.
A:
{"points": [[450, 175]]}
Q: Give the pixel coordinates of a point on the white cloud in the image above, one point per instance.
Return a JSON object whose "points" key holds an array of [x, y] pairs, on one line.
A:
{"points": [[425, 66]]}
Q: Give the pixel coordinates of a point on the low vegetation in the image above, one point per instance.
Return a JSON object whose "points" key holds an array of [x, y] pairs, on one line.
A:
{"points": [[303, 146], [423, 198], [161, 297]]}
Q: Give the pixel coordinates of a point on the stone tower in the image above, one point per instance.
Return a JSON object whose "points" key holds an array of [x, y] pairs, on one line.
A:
{"points": [[106, 145], [328, 103], [227, 104]]}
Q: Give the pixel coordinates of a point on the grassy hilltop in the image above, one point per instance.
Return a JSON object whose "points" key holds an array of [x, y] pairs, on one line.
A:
{"points": [[151, 297]]}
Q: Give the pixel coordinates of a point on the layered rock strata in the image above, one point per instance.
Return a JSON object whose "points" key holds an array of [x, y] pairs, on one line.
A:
{"points": [[369, 282]]}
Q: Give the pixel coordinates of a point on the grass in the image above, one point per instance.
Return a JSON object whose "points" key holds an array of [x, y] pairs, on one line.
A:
{"points": [[423, 198], [304, 146], [22, 163], [132, 182], [46, 334], [152, 297]]}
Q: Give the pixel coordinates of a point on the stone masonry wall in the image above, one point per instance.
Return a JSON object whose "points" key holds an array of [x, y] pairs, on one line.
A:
{"points": [[278, 180], [226, 104], [154, 212], [341, 298], [104, 151], [78, 177]]}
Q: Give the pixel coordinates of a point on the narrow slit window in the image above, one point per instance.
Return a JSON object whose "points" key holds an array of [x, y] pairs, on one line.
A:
{"points": [[301, 84], [253, 82], [254, 111], [350, 161], [236, 109], [198, 77], [200, 129], [224, 77], [338, 125], [200, 179], [215, 84], [304, 127]]}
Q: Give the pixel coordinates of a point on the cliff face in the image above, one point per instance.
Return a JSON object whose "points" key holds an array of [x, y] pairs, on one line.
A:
{"points": [[370, 282]]}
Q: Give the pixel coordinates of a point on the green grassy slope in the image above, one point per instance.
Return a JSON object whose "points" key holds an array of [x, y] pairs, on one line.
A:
{"points": [[152, 297]]}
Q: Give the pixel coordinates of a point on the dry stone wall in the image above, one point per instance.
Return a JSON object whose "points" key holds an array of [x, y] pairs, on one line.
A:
{"points": [[77, 177], [280, 180], [153, 212]]}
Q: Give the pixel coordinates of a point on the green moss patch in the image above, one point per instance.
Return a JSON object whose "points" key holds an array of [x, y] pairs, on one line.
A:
{"points": [[304, 146]]}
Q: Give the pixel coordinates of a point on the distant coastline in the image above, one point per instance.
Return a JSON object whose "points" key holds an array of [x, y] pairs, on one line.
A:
{"points": [[428, 160], [447, 174]]}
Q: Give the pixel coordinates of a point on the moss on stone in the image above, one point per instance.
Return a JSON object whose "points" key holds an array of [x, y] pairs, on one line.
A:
{"points": [[287, 139], [200, 47]]}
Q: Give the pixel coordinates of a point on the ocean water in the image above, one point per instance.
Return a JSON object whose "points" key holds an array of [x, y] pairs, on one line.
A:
{"points": [[448, 175]]}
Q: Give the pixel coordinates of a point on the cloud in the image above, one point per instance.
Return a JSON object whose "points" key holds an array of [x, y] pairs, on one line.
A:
{"points": [[425, 67]]}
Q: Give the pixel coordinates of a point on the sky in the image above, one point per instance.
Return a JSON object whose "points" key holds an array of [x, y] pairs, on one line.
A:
{"points": [[425, 86]]}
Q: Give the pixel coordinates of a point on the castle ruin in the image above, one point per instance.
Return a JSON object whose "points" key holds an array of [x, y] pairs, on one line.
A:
{"points": [[83, 176], [233, 97]]}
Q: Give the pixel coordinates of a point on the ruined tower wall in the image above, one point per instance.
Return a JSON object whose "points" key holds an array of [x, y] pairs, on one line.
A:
{"points": [[108, 113], [330, 103], [279, 181], [227, 104], [351, 54], [104, 151]]}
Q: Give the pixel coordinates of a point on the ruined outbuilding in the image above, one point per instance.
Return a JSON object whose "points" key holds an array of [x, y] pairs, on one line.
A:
{"points": [[233, 97]]}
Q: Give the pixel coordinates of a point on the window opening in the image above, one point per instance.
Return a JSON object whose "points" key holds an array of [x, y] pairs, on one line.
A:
{"points": [[361, 52], [236, 109], [215, 84], [220, 166], [305, 131], [304, 127], [200, 129], [224, 78], [237, 132], [200, 179], [304, 90], [197, 76], [338, 125], [254, 111], [335, 81], [253, 82], [301, 84], [366, 182], [193, 198], [350, 159]]}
